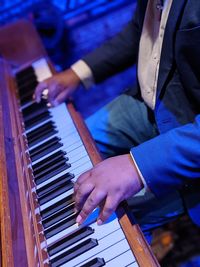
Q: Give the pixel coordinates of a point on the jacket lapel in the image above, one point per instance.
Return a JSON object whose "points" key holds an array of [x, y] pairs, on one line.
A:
{"points": [[167, 53]]}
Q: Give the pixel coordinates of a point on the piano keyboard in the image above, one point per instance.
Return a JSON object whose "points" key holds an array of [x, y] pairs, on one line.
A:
{"points": [[58, 157]]}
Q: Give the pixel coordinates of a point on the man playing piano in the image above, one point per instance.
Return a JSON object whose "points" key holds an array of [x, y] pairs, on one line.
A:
{"points": [[151, 139]]}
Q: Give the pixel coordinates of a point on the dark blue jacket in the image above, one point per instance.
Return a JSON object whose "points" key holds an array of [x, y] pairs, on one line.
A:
{"points": [[170, 161]]}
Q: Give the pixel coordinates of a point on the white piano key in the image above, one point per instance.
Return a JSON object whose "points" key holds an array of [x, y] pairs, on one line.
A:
{"points": [[61, 117], [60, 197], [103, 244], [134, 264], [85, 160], [64, 130], [76, 154], [68, 148], [116, 255], [100, 232], [74, 144], [76, 168], [37, 126], [75, 160], [110, 247], [83, 168], [125, 259], [52, 179], [55, 200], [41, 142], [42, 69], [63, 136], [61, 113]]}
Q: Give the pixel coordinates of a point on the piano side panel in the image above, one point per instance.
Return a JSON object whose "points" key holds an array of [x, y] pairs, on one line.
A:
{"points": [[12, 235], [20, 51], [32, 228]]}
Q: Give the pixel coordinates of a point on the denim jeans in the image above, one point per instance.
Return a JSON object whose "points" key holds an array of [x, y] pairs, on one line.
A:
{"points": [[120, 125]]}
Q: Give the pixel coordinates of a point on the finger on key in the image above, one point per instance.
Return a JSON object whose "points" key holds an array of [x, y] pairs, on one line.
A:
{"points": [[92, 202], [39, 90], [54, 91], [82, 194], [108, 207]]}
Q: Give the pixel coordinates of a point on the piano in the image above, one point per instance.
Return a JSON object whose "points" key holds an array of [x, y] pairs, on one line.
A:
{"points": [[43, 151]]}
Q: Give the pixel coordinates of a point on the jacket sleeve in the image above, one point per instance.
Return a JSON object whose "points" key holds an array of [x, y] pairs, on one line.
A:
{"points": [[171, 160], [116, 54]]}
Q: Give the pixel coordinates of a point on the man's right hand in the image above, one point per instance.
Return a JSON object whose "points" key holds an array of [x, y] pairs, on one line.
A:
{"points": [[60, 86]]}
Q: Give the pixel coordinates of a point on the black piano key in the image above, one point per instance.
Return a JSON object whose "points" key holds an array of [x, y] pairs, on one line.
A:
{"points": [[28, 93], [64, 224], [58, 216], [38, 131], [41, 179], [36, 120], [74, 252], [45, 171], [35, 114], [57, 155], [48, 163], [46, 148], [46, 151], [64, 187], [69, 240], [29, 78], [46, 134], [57, 206], [33, 108], [50, 168], [27, 87], [24, 72], [26, 83], [41, 133], [54, 184], [97, 262], [26, 99]]}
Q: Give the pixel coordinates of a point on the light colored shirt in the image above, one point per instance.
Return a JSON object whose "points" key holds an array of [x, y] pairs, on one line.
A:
{"points": [[84, 72], [150, 49], [149, 57]]}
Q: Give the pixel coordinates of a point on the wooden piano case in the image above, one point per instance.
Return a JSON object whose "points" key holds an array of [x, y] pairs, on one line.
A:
{"points": [[21, 230]]}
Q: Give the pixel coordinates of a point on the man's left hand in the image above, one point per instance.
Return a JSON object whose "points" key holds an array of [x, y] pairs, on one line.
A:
{"points": [[106, 185]]}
